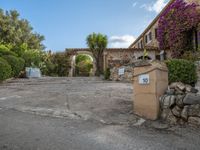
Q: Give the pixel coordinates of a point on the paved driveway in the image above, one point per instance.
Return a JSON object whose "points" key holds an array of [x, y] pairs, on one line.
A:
{"points": [[80, 114]]}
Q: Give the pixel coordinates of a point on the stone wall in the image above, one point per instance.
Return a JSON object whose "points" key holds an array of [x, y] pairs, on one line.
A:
{"points": [[181, 105], [128, 71], [123, 57], [127, 76]]}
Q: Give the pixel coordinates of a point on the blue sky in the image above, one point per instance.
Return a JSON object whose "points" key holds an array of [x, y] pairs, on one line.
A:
{"points": [[66, 23]]}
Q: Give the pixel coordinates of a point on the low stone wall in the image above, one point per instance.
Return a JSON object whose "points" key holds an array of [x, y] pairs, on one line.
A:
{"points": [[127, 76], [180, 105], [128, 70]]}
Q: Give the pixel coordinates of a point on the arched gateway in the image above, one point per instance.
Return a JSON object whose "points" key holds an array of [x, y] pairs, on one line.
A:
{"points": [[73, 54]]}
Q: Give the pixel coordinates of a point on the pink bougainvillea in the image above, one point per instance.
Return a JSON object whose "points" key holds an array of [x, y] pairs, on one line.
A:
{"points": [[174, 24]]}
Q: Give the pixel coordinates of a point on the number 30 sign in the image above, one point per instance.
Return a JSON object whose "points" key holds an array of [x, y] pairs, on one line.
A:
{"points": [[144, 79]]}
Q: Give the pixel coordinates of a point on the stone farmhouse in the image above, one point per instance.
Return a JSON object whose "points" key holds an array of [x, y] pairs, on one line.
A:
{"points": [[148, 38]]}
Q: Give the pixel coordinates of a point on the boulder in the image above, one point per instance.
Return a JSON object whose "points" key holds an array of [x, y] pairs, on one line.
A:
{"points": [[168, 116], [191, 99], [194, 120], [184, 113], [181, 121], [194, 90], [166, 101], [173, 85], [179, 100], [165, 113], [178, 86], [194, 110], [188, 88], [170, 92], [179, 92], [181, 86], [177, 111], [171, 119]]}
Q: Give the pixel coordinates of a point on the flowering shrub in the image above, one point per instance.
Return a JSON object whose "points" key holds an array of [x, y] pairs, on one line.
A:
{"points": [[176, 23]]}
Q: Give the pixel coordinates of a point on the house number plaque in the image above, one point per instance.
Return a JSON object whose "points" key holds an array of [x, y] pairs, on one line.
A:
{"points": [[144, 79]]}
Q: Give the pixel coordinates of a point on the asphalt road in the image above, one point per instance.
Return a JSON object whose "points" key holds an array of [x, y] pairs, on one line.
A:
{"points": [[21, 129]]}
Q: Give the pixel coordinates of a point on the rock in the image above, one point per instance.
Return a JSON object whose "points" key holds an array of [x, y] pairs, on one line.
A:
{"points": [[178, 91], [188, 88], [191, 99], [181, 121], [184, 113], [168, 117], [181, 86], [166, 101], [194, 120], [165, 113], [194, 90], [171, 119], [173, 85], [194, 110], [170, 92], [177, 111], [179, 100]]}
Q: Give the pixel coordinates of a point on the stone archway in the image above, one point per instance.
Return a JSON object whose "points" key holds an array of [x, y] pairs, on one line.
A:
{"points": [[73, 61]]}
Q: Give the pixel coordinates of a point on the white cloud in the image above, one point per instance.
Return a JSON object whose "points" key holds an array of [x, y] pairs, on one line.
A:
{"points": [[156, 7], [134, 4], [121, 41]]}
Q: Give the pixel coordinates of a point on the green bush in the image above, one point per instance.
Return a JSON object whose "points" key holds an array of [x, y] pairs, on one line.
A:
{"points": [[32, 58], [17, 64], [61, 64], [5, 68], [107, 74], [181, 70]]}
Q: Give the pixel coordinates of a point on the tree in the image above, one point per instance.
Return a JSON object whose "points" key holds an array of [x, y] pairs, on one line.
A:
{"points": [[97, 43], [16, 31]]}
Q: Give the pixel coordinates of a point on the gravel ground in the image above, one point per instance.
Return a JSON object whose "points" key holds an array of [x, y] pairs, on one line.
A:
{"points": [[81, 114]]}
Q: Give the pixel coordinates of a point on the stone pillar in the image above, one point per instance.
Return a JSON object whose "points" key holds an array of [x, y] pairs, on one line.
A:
{"points": [[150, 82], [72, 69], [105, 60]]}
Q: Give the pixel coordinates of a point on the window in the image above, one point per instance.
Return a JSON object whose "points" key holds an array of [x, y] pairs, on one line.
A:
{"points": [[148, 37], [146, 40], [140, 44]]}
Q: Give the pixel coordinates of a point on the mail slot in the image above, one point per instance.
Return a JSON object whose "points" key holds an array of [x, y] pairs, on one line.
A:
{"points": [[149, 83]]}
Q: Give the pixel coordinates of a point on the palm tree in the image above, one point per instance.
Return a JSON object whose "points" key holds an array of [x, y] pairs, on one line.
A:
{"points": [[97, 43]]}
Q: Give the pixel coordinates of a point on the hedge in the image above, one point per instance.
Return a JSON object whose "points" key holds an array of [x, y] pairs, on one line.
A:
{"points": [[17, 64], [181, 70], [5, 69]]}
